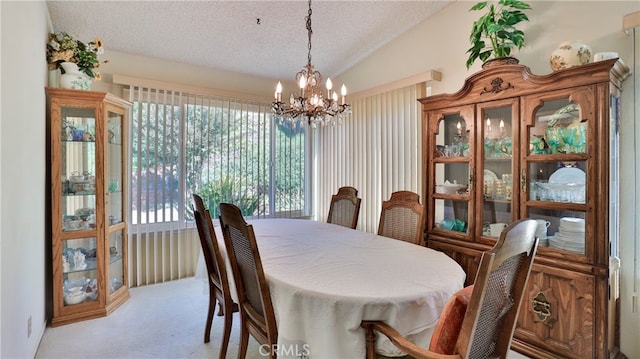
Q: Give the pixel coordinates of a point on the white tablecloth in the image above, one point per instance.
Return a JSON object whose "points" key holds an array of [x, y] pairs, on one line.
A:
{"points": [[325, 279]]}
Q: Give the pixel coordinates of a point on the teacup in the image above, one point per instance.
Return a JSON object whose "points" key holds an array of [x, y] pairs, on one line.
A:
{"points": [[541, 231], [459, 225]]}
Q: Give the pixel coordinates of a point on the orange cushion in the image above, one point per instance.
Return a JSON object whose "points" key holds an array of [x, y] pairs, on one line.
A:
{"points": [[445, 334]]}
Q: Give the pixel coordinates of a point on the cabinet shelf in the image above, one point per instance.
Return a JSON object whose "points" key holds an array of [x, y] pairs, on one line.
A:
{"points": [[498, 159], [491, 200], [72, 141], [558, 157], [452, 159], [79, 194], [453, 197]]}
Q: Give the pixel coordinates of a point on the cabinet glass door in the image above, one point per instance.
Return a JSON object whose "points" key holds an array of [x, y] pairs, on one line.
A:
{"points": [[114, 172], [496, 169], [78, 203], [451, 166], [115, 176], [557, 171]]}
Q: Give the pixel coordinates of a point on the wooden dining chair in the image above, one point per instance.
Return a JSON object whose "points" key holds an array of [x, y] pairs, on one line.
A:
{"points": [[402, 217], [345, 207], [256, 310], [217, 274], [478, 321]]}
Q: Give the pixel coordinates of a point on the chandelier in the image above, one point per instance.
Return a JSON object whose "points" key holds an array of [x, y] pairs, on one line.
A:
{"points": [[310, 106]]}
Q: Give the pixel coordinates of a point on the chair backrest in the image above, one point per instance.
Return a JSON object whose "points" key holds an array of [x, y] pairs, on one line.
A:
{"points": [[490, 307], [490, 320], [210, 248], [402, 217], [254, 298], [345, 207]]}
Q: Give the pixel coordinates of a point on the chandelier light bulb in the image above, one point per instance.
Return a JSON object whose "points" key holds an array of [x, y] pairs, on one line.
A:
{"points": [[279, 92], [302, 84], [335, 97]]}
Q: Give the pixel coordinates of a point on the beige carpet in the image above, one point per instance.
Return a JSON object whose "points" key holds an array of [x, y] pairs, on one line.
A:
{"points": [[158, 321]]}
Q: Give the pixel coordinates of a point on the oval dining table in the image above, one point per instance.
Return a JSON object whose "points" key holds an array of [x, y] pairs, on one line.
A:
{"points": [[325, 279]]}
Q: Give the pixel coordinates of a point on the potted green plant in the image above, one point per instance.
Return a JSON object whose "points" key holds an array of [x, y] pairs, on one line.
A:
{"points": [[494, 34]]}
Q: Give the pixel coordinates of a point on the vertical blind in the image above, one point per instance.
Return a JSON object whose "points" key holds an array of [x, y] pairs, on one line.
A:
{"points": [[377, 151], [225, 150]]}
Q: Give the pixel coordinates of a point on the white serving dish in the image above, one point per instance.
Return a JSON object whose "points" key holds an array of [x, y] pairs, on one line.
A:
{"points": [[450, 188], [74, 298]]}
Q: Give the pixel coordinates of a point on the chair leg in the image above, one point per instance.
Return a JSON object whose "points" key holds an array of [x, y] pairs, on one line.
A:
{"points": [[212, 307], [244, 341], [226, 334], [370, 338]]}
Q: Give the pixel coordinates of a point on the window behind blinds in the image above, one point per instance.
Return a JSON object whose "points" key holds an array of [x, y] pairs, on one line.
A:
{"points": [[225, 150]]}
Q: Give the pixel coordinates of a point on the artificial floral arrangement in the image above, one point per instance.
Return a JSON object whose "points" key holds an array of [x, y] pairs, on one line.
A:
{"points": [[498, 27], [62, 47]]}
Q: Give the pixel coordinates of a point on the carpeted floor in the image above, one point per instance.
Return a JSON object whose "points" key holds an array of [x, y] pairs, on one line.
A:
{"points": [[158, 321]]}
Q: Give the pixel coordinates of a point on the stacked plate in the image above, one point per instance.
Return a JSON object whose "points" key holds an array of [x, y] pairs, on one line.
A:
{"points": [[543, 241], [570, 235]]}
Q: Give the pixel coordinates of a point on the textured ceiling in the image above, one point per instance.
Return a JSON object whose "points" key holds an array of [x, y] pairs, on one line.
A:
{"points": [[226, 35]]}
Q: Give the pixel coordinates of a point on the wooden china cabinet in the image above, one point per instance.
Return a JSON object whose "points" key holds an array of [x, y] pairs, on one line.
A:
{"points": [[87, 167], [511, 145]]}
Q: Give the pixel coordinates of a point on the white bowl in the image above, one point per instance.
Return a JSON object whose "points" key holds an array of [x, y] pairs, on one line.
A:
{"points": [[71, 299], [75, 290]]}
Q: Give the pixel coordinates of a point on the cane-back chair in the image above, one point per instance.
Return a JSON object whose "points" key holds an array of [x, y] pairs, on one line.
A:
{"points": [[402, 217], [345, 207], [217, 275], [256, 310], [479, 325]]}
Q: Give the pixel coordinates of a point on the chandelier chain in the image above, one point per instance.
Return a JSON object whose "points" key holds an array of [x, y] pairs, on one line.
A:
{"points": [[310, 32]]}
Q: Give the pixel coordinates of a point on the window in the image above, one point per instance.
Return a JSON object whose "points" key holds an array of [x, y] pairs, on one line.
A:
{"points": [[225, 150]]}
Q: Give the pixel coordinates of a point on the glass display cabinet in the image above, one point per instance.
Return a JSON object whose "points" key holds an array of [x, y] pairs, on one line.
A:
{"points": [[513, 145], [87, 167]]}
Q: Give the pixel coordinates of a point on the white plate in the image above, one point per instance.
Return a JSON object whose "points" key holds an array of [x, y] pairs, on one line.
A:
{"points": [[490, 176], [572, 224], [568, 175]]}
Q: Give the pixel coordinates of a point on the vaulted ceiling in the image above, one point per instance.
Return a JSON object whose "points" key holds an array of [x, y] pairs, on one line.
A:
{"points": [[263, 38]]}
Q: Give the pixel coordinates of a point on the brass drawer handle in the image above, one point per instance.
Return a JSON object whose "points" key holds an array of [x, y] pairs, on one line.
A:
{"points": [[541, 306]]}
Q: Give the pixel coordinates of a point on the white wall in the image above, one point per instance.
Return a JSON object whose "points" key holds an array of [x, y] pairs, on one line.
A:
{"points": [[441, 44], [24, 32]]}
